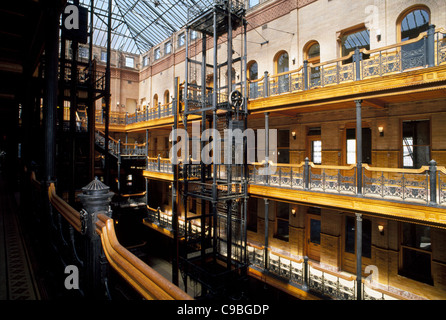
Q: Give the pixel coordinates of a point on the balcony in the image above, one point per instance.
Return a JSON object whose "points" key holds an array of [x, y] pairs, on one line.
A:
{"points": [[394, 67], [408, 193], [316, 279], [123, 121]]}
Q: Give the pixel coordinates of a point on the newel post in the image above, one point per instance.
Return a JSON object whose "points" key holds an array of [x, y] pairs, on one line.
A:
{"points": [[96, 198]]}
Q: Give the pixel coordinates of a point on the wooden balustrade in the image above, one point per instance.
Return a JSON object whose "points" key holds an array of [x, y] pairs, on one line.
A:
{"points": [[149, 283]]}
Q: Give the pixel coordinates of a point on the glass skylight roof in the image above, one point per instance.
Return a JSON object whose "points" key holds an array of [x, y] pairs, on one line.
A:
{"points": [[138, 25]]}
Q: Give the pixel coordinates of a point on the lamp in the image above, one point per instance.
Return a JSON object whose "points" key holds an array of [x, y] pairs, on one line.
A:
{"points": [[293, 211], [381, 131], [381, 229], [294, 135]]}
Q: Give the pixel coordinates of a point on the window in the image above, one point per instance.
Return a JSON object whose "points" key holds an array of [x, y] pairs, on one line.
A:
{"points": [[129, 62], [181, 39], [282, 62], [253, 70], [283, 146], [83, 52], [193, 35], [312, 55], [315, 145], [281, 66], [145, 61], [103, 56], [412, 23], [316, 154], [155, 101], [282, 220], [253, 3], [350, 236], [415, 262], [166, 97], [416, 143], [356, 39], [366, 146], [157, 53], [167, 47]]}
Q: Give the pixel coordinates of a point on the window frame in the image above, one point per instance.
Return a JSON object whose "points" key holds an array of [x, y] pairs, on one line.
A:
{"points": [[157, 53], [402, 271], [128, 58], [168, 47], [181, 40], [285, 220], [405, 13], [349, 31], [402, 121]]}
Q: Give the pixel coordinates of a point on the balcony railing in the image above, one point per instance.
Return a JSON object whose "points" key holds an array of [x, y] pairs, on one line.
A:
{"points": [[426, 185], [120, 149], [125, 118], [312, 277], [427, 50]]}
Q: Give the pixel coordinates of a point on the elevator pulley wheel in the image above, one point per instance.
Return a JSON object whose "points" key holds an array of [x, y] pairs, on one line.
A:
{"points": [[236, 99]]}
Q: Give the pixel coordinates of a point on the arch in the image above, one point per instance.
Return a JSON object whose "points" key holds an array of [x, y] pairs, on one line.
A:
{"points": [[281, 62], [155, 101], [413, 21], [166, 97], [312, 52], [252, 70]]}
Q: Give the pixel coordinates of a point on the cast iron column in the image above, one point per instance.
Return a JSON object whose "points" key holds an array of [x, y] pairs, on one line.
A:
{"points": [[50, 105], [266, 232], [359, 256], [359, 146]]}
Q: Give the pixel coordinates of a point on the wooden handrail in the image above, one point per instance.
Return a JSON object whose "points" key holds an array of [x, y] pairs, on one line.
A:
{"points": [[442, 169], [284, 256], [396, 170], [339, 275], [286, 72], [156, 159], [148, 282], [67, 211], [256, 80]]}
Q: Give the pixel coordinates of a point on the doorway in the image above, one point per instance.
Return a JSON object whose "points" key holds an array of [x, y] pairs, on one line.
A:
{"points": [[313, 236]]}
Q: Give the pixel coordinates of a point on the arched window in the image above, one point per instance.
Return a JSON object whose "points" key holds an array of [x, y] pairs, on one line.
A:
{"points": [[253, 70], [412, 22], [155, 101], [166, 97], [312, 52], [253, 74], [282, 65], [281, 62]]}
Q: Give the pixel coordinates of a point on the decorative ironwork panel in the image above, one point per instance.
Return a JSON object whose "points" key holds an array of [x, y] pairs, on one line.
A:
{"points": [[413, 55], [400, 186], [442, 188], [441, 48]]}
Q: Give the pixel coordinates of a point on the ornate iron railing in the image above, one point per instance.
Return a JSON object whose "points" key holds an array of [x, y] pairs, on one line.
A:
{"points": [[408, 185], [159, 164], [400, 184], [125, 118], [427, 50], [442, 185], [120, 149], [313, 277]]}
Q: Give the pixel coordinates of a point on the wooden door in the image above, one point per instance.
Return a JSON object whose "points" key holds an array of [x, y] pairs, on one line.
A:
{"points": [[313, 237]]}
